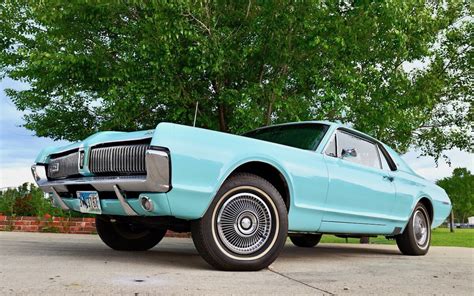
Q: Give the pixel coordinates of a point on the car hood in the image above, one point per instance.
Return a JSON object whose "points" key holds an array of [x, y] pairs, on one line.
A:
{"points": [[98, 138]]}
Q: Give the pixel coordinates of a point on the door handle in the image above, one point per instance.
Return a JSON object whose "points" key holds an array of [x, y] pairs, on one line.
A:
{"points": [[388, 178]]}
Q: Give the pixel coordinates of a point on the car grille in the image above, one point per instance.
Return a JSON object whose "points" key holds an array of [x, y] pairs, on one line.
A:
{"points": [[63, 166], [118, 160]]}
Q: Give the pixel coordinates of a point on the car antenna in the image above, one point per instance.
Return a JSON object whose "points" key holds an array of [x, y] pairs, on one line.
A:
{"points": [[195, 113]]}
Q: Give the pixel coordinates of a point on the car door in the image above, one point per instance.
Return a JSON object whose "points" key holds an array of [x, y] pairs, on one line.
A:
{"points": [[361, 193]]}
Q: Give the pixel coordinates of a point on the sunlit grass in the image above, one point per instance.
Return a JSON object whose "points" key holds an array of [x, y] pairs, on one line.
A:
{"points": [[440, 237]]}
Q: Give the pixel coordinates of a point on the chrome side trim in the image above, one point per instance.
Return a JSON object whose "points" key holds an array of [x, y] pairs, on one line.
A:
{"points": [[57, 199], [123, 202]]}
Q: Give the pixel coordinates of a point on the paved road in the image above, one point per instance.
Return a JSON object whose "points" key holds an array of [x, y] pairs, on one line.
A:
{"points": [[50, 264]]}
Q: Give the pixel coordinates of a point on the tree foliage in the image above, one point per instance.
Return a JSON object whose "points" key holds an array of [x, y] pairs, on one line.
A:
{"points": [[26, 200], [460, 188], [122, 66], [29, 200]]}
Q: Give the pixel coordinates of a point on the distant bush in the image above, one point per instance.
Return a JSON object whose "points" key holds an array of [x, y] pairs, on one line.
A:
{"points": [[29, 200], [460, 188]]}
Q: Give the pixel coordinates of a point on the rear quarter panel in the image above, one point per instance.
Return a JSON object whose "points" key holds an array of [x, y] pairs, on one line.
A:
{"points": [[411, 188], [202, 160]]}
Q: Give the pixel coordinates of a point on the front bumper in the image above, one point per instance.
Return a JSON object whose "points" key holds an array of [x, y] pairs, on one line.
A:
{"points": [[157, 180]]}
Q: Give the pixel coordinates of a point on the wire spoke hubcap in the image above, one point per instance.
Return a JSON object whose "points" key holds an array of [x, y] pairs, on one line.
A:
{"points": [[244, 223], [420, 227]]}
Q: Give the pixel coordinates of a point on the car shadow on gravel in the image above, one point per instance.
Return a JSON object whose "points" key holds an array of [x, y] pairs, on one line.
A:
{"points": [[169, 254], [325, 252], [181, 252]]}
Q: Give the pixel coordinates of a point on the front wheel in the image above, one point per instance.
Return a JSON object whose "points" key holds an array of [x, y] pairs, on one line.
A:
{"points": [[416, 238], [127, 236], [245, 227]]}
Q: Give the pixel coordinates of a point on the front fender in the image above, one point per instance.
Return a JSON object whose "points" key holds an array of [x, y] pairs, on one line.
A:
{"points": [[196, 185], [202, 160]]}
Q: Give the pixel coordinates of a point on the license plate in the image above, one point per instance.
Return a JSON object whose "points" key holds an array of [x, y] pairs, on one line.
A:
{"points": [[89, 202]]}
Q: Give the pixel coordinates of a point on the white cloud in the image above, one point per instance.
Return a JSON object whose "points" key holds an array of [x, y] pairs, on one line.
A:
{"points": [[8, 112], [15, 176], [426, 166]]}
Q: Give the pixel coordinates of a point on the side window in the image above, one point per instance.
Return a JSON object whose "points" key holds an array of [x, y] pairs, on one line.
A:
{"points": [[331, 148], [361, 151], [383, 160]]}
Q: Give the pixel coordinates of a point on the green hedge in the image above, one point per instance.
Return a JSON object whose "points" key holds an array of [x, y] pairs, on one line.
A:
{"points": [[29, 200]]}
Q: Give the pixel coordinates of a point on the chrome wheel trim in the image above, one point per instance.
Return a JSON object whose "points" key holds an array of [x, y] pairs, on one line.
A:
{"points": [[420, 229], [244, 223], [276, 224]]}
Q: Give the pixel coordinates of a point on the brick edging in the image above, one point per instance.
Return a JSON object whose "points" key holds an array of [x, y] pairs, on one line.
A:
{"points": [[56, 224]]}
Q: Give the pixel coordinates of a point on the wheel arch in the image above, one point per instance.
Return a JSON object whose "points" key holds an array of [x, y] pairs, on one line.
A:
{"points": [[268, 172], [426, 201]]}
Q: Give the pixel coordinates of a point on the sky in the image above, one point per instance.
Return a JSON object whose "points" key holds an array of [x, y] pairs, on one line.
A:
{"points": [[19, 147]]}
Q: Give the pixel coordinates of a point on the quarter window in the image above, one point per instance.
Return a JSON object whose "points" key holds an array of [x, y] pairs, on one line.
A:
{"points": [[366, 153], [331, 148], [384, 162]]}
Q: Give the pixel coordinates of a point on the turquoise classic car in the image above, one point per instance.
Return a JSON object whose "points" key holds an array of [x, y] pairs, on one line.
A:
{"points": [[241, 196]]}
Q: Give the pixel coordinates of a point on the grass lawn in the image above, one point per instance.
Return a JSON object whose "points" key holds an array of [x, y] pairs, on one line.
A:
{"points": [[440, 237]]}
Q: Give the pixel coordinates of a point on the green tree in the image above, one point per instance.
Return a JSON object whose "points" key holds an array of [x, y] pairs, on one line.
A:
{"points": [[122, 66], [460, 188]]}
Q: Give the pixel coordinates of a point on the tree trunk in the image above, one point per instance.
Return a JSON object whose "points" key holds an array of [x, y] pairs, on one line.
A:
{"points": [[268, 117], [222, 119], [451, 224], [221, 108]]}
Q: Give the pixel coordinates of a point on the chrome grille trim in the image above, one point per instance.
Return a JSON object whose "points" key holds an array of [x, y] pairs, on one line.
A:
{"points": [[66, 165], [157, 178], [121, 160]]}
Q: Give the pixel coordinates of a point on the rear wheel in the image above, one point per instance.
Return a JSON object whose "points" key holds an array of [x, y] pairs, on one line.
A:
{"points": [[245, 227], [416, 238], [305, 240], [127, 236]]}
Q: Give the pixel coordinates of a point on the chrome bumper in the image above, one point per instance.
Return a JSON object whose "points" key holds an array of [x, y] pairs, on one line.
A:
{"points": [[157, 178]]}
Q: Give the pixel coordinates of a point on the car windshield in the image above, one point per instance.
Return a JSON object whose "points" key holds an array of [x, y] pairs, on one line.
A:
{"points": [[304, 136]]}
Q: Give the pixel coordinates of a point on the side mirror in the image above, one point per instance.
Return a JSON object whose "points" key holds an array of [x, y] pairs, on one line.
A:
{"points": [[348, 152]]}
